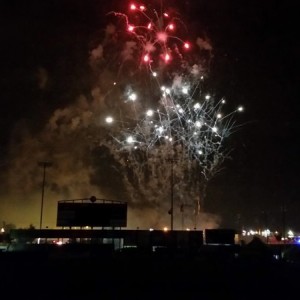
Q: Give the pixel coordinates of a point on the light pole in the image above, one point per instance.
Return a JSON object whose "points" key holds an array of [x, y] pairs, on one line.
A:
{"points": [[44, 165], [283, 220], [172, 196], [171, 211]]}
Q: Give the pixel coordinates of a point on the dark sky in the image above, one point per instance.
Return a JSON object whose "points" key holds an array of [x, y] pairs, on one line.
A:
{"points": [[44, 66]]}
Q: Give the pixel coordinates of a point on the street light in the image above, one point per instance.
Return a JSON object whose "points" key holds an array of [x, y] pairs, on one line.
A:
{"points": [[44, 165]]}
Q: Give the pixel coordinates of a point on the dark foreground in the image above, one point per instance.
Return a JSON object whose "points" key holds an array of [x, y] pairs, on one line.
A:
{"points": [[215, 272]]}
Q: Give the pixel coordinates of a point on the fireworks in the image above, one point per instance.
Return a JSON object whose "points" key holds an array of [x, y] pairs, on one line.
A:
{"points": [[176, 132], [156, 34]]}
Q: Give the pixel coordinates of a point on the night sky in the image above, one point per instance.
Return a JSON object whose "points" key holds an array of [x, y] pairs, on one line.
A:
{"points": [[45, 48]]}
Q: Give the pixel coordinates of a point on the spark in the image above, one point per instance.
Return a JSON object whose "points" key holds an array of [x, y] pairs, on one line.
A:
{"points": [[185, 90], [130, 28], [109, 119], [147, 27], [132, 97], [149, 113], [130, 140]]}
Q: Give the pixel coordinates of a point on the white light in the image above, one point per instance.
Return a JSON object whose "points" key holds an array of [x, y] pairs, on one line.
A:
{"points": [[115, 83], [265, 232], [198, 124], [154, 74], [223, 101], [200, 152], [130, 140], [109, 120], [168, 91], [241, 108], [151, 229], [219, 116], [185, 90], [160, 129], [197, 105], [132, 97], [149, 112], [163, 88], [252, 232], [207, 97], [214, 129], [165, 229], [181, 110]]}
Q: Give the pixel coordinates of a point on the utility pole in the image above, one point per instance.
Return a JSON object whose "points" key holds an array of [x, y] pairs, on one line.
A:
{"points": [[44, 165]]}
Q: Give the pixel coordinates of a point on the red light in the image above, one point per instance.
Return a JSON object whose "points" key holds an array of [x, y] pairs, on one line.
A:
{"points": [[166, 15], [167, 57], [149, 26], [132, 7], [142, 8], [146, 58], [171, 26], [130, 28], [187, 46]]}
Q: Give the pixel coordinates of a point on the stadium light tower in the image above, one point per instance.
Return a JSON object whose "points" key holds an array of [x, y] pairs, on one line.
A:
{"points": [[44, 165]]}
